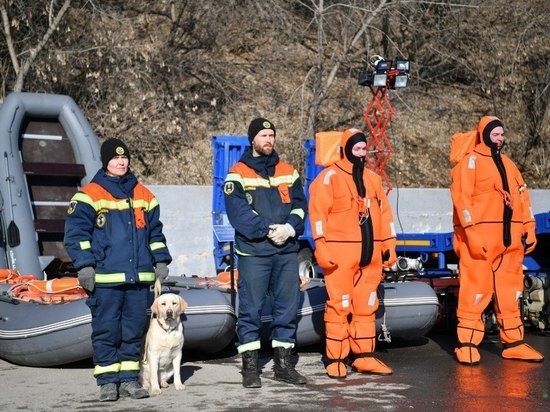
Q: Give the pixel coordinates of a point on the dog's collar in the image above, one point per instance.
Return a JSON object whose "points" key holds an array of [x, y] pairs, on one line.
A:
{"points": [[167, 330]]}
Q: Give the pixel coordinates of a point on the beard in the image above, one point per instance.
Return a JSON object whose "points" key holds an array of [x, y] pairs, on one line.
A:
{"points": [[263, 150]]}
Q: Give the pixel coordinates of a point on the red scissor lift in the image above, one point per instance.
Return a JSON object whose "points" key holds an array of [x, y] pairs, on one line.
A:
{"points": [[377, 116]]}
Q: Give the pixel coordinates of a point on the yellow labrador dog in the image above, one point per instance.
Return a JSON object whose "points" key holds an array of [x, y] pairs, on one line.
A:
{"points": [[162, 350]]}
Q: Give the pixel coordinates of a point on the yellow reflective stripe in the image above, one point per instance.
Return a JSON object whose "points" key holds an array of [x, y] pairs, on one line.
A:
{"points": [[105, 278], [234, 177], [111, 204], [249, 346], [288, 179], [84, 198], [261, 182], [156, 245], [154, 203], [140, 204], [129, 366], [147, 276], [113, 368], [279, 344], [85, 244], [300, 212], [256, 182], [110, 277]]}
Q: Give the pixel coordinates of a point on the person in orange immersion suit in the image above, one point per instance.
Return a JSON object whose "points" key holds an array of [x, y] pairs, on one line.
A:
{"points": [[352, 225], [494, 227]]}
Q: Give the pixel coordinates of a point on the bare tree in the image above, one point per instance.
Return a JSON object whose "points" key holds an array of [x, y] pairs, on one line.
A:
{"points": [[23, 60], [354, 21]]}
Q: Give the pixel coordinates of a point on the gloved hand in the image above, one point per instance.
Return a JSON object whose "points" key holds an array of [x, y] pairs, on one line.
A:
{"points": [[529, 241], [322, 255], [389, 258], [86, 278], [279, 234], [475, 243], [161, 270]]}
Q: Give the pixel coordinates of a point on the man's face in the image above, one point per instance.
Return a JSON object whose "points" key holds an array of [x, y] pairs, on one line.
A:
{"points": [[359, 149], [497, 136], [264, 143]]}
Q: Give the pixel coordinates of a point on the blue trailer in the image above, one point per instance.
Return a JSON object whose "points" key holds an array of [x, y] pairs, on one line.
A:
{"points": [[434, 250]]}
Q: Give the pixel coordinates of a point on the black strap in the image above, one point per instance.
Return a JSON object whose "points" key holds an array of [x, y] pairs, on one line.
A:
{"points": [[512, 345], [365, 355]]}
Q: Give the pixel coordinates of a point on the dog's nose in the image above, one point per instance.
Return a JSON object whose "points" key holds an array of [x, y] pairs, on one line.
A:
{"points": [[169, 313]]}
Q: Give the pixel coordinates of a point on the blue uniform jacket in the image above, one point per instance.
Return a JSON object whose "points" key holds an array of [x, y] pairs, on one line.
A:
{"points": [[261, 191], [113, 225]]}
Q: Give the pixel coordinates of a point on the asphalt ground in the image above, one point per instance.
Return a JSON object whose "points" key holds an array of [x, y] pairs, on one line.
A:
{"points": [[426, 378]]}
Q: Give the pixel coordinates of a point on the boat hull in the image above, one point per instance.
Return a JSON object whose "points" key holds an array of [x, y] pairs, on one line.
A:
{"points": [[407, 311], [37, 334]]}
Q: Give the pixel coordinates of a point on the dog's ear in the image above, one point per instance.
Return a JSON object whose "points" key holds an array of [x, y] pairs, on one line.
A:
{"points": [[155, 307], [183, 304]]}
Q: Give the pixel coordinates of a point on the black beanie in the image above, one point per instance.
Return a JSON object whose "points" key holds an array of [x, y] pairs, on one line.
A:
{"points": [[259, 124], [111, 148], [488, 129]]}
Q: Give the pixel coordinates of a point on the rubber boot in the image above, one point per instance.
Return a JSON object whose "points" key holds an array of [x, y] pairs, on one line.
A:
{"points": [[367, 363], [470, 334], [251, 376], [511, 336], [283, 368]]}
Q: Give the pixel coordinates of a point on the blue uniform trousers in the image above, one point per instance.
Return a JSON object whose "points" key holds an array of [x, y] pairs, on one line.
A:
{"points": [[258, 276], [119, 321]]}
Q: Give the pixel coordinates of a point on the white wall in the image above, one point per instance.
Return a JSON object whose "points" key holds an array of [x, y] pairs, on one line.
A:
{"points": [[186, 212]]}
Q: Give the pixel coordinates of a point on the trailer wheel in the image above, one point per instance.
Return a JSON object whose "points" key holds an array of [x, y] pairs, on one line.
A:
{"points": [[306, 269]]}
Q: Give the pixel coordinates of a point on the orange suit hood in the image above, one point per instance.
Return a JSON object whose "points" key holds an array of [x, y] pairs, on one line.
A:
{"points": [[349, 138], [484, 127]]}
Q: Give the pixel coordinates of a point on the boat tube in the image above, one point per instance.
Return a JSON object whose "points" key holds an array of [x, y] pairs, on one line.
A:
{"points": [[48, 149], [47, 323]]}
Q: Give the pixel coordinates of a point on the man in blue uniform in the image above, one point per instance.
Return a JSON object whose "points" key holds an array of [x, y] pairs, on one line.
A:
{"points": [[114, 237], [266, 205]]}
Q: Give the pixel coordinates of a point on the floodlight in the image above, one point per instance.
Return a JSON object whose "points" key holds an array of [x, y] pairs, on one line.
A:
{"points": [[402, 65], [365, 77], [380, 80], [382, 65], [400, 80]]}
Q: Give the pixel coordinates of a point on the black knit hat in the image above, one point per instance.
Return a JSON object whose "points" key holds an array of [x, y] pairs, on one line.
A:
{"points": [[257, 125], [111, 148]]}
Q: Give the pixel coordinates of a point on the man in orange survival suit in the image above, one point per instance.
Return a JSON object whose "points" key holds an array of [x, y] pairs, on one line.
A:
{"points": [[494, 228], [352, 224]]}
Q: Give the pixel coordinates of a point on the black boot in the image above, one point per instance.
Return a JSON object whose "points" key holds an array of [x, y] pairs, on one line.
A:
{"points": [[283, 368], [251, 377]]}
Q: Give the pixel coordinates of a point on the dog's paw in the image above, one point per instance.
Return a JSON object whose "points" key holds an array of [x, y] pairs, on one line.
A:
{"points": [[155, 392], [164, 384], [179, 386]]}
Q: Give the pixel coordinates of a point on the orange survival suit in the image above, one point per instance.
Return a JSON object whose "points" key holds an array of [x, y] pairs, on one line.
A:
{"points": [[352, 225], [494, 227]]}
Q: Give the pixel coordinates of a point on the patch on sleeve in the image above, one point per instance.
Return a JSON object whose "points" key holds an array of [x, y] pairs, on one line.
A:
{"points": [[72, 207], [472, 162], [228, 188]]}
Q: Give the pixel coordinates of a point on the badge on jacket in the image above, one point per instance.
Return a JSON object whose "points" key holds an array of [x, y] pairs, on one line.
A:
{"points": [[228, 188], [72, 206]]}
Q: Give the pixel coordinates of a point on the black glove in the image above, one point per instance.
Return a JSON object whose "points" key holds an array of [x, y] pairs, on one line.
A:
{"points": [[86, 278], [161, 270]]}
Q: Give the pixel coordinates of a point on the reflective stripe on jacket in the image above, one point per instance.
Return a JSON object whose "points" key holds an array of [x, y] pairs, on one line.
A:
{"points": [[254, 201], [113, 225]]}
